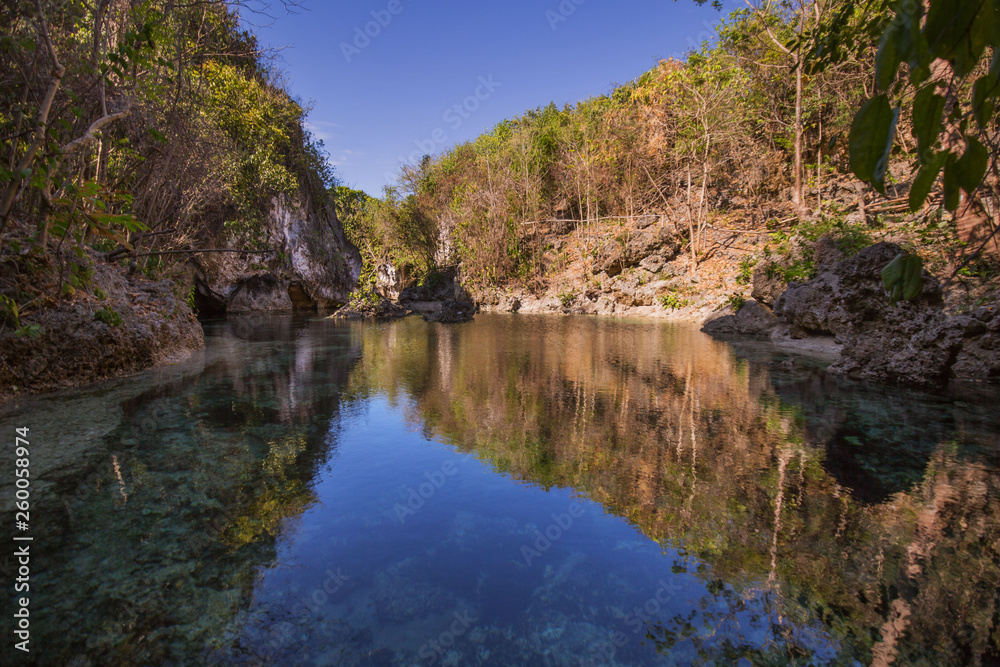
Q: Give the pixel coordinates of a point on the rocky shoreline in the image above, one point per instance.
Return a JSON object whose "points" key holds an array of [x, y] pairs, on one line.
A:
{"points": [[846, 310], [128, 324]]}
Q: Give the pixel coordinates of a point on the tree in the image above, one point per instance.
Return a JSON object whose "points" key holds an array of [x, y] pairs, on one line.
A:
{"points": [[952, 52]]}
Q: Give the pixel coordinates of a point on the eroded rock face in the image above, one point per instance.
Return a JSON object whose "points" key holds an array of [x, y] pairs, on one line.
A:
{"points": [[390, 280], [260, 294], [911, 341], [316, 265], [767, 283], [753, 319], [664, 241], [138, 324]]}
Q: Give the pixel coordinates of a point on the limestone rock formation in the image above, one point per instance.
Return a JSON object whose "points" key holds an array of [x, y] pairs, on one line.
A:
{"points": [[616, 256], [315, 266], [914, 342]]}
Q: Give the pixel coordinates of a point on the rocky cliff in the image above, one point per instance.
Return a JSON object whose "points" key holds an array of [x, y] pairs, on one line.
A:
{"points": [[314, 266]]}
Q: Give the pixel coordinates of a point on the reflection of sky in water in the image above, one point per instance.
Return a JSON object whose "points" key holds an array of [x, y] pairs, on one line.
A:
{"points": [[519, 490], [424, 554]]}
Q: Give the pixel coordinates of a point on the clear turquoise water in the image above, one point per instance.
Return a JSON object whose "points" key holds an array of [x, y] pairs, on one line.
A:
{"points": [[517, 490]]}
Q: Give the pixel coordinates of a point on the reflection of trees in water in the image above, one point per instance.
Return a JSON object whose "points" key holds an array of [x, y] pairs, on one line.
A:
{"points": [[739, 463], [212, 466]]}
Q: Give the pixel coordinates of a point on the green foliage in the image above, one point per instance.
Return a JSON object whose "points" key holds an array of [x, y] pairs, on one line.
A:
{"points": [[958, 32], [871, 140], [29, 331], [9, 314], [109, 316], [736, 301], [211, 136], [672, 301], [745, 273], [567, 299], [903, 277]]}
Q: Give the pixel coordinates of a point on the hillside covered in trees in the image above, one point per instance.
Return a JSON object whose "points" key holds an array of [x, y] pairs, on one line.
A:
{"points": [[150, 140], [745, 148]]}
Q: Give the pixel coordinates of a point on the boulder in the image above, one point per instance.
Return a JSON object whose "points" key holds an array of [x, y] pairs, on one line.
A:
{"points": [[381, 309], [135, 324], [753, 319], [913, 342], [768, 282], [260, 294], [616, 256], [653, 264], [509, 304]]}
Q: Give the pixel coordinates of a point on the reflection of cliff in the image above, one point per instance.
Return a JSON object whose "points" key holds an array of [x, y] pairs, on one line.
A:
{"points": [[741, 463], [162, 532]]}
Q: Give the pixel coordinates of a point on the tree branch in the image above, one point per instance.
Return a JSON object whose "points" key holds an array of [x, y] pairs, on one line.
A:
{"points": [[89, 136]]}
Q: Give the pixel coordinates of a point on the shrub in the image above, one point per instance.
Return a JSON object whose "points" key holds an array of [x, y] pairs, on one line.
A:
{"points": [[671, 301], [109, 316]]}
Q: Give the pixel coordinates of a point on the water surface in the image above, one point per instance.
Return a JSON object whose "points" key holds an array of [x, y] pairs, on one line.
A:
{"points": [[516, 490]]}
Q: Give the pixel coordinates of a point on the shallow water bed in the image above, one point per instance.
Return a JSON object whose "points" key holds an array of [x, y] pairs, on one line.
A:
{"points": [[516, 490]]}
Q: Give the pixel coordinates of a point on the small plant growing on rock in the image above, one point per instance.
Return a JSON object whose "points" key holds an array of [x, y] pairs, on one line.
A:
{"points": [[567, 299], [109, 316], [672, 302], [736, 301], [745, 273], [8, 312]]}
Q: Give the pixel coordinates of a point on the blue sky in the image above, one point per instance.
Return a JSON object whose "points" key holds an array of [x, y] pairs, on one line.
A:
{"points": [[428, 75]]}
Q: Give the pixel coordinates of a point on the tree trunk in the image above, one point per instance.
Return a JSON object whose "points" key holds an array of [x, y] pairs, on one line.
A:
{"points": [[797, 189], [691, 233]]}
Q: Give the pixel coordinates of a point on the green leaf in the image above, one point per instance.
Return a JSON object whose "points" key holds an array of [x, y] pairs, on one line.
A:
{"points": [[959, 31], [903, 277], [971, 167], [928, 108], [925, 179], [983, 105], [871, 138], [888, 57]]}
